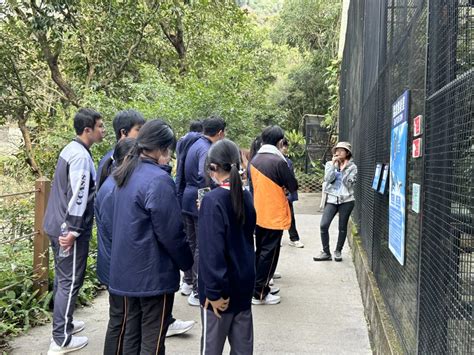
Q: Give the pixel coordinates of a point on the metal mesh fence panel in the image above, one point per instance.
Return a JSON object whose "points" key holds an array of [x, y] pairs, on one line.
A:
{"points": [[447, 274], [387, 51]]}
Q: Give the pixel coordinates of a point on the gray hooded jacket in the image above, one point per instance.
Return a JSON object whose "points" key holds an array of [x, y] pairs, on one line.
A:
{"points": [[339, 185]]}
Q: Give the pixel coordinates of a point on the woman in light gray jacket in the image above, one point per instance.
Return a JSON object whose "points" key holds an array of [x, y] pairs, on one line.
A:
{"points": [[340, 176]]}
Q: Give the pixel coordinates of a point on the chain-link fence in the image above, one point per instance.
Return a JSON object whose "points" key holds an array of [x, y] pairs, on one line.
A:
{"points": [[427, 48]]}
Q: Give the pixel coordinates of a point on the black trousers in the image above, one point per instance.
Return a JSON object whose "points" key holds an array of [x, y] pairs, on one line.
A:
{"points": [[330, 210], [69, 273], [151, 317], [292, 231], [119, 323], [191, 228], [266, 258]]}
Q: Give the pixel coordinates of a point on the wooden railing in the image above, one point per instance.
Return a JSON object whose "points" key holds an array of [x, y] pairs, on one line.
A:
{"points": [[40, 239]]}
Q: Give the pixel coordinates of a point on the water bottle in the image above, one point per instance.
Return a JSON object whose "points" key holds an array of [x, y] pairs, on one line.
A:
{"points": [[63, 253]]}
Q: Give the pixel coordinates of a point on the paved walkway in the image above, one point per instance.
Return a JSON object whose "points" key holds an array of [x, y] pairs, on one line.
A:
{"points": [[321, 310]]}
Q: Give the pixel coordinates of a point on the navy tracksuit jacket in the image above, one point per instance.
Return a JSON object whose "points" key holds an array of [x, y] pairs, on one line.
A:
{"points": [[149, 246], [195, 173], [227, 256]]}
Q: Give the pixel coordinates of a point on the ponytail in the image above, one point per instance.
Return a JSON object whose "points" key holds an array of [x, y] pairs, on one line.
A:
{"points": [[237, 193], [123, 173], [105, 172], [226, 155]]}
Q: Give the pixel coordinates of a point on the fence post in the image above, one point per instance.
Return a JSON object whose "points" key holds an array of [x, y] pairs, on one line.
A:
{"points": [[41, 242]]}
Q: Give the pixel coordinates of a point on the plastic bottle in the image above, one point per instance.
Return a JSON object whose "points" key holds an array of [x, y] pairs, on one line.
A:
{"points": [[63, 253]]}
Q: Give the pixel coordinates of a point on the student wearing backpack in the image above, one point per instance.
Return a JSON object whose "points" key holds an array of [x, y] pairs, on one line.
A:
{"points": [[227, 258]]}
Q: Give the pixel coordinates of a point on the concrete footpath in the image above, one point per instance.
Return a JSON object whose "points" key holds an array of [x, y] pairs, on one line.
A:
{"points": [[321, 311]]}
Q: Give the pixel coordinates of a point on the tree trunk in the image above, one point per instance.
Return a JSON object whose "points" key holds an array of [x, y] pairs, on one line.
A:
{"points": [[52, 60], [177, 40], [30, 159]]}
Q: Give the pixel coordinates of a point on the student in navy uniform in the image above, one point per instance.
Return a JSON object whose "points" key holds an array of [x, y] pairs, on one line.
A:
{"points": [[227, 258], [182, 148], [149, 245], [126, 123], [104, 209], [195, 177], [72, 202], [194, 127], [292, 197]]}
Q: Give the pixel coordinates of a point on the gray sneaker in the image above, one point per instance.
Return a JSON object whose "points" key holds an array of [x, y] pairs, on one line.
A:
{"points": [[322, 257], [337, 255]]}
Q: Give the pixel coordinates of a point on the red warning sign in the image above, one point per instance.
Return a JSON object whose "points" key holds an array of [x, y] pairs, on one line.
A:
{"points": [[416, 149], [417, 125]]}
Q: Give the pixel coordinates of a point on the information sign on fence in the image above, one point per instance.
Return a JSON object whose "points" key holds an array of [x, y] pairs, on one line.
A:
{"points": [[417, 126], [398, 172], [375, 182], [417, 148], [415, 205], [383, 183]]}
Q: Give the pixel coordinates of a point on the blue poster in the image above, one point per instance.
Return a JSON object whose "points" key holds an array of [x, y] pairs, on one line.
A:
{"points": [[398, 174]]}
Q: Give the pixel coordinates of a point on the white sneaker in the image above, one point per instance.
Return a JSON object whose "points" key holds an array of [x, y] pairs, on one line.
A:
{"points": [[271, 283], [274, 290], [296, 244], [75, 344], [186, 289], [277, 275], [193, 300], [179, 327], [78, 325], [269, 299]]}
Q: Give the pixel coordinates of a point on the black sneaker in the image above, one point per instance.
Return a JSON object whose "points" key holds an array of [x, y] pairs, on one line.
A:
{"points": [[337, 255], [323, 256]]}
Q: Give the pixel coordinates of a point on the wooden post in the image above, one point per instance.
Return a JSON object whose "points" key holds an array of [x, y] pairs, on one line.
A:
{"points": [[41, 241]]}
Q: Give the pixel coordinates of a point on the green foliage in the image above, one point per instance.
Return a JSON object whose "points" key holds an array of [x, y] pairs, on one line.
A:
{"points": [[22, 309], [262, 8], [311, 27], [332, 82], [176, 60], [20, 306], [296, 148], [172, 59]]}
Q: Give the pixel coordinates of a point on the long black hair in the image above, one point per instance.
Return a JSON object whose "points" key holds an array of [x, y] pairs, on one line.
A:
{"points": [[225, 155], [121, 150], [256, 144], [154, 135]]}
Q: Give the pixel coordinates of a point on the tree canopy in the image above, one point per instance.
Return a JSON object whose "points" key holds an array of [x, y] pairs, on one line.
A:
{"points": [[254, 62]]}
